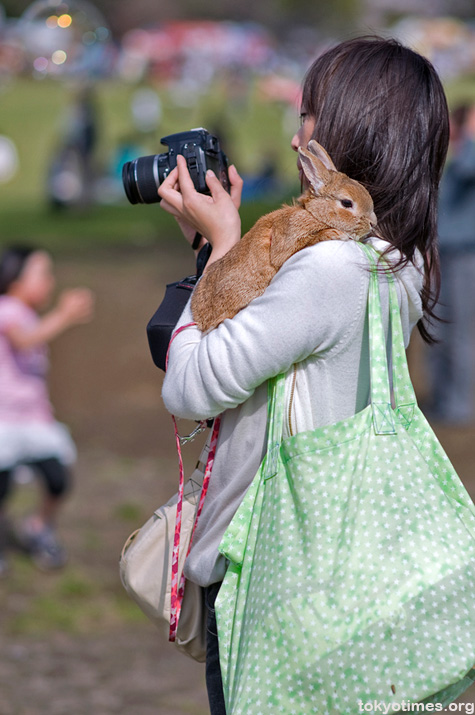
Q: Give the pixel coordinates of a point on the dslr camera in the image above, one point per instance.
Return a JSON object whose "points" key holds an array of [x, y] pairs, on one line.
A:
{"points": [[202, 151]]}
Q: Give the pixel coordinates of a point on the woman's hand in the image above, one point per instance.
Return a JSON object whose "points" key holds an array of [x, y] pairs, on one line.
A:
{"points": [[187, 229], [215, 216]]}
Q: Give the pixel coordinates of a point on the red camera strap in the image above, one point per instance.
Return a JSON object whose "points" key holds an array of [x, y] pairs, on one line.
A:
{"points": [[178, 580]]}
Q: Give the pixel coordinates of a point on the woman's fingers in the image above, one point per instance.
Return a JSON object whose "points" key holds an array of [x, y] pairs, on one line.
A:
{"points": [[188, 230], [187, 186], [169, 191], [236, 185], [178, 188], [167, 206], [171, 180], [215, 186], [219, 193], [215, 216]]}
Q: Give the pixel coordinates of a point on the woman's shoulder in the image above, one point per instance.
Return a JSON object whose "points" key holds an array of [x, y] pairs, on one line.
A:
{"points": [[331, 262], [328, 281], [347, 258], [334, 252], [338, 271]]}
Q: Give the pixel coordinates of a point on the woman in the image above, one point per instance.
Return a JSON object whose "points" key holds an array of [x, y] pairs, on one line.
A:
{"points": [[379, 110]]}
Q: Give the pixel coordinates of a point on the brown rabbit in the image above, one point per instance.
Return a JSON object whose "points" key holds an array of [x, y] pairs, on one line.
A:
{"points": [[333, 207]]}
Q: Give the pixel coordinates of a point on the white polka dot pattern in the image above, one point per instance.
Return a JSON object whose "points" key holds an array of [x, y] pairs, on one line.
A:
{"points": [[352, 560]]}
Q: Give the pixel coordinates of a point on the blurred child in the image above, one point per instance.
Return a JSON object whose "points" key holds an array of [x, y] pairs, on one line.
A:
{"points": [[29, 434]]}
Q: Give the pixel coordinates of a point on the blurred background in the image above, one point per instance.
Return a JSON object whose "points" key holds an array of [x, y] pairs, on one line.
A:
{"points": [[84, 87]]}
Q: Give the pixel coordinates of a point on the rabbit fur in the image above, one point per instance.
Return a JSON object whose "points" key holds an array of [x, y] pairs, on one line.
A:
{"points": [[334, 207]]}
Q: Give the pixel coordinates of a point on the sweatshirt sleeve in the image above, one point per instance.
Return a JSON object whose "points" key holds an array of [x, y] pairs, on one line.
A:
{"points": [[310, 307]]}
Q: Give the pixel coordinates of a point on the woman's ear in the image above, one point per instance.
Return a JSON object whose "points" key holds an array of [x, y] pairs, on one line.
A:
{"points": [[317, 150], [316, 172]]}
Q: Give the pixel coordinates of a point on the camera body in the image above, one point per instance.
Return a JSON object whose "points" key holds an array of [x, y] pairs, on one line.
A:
{"points": [[202, 151]]}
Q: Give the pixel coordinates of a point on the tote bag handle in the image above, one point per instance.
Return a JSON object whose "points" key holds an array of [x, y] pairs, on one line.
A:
{"points": [[403, 390], [384, 416]]}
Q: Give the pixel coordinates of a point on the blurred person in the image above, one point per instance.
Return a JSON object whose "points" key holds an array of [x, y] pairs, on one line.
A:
{"points": [[29, 434], [72, 172], [452, 359]]}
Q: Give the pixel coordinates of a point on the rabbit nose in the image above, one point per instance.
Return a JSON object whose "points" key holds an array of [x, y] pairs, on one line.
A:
{"points": [[373, 220]]}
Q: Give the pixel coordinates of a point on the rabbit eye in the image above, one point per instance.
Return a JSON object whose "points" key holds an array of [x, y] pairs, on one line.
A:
{"points": [[347, 203]]}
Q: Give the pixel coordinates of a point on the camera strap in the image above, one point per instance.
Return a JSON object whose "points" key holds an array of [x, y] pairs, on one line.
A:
{"points": [[178, 580], [196, 240]]}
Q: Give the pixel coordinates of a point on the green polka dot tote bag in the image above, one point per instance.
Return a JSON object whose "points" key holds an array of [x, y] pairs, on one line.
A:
{"points": [[351, 575]]}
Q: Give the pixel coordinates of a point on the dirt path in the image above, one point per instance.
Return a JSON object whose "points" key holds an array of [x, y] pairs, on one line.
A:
{"points": [[127, 672], [73, 643]]}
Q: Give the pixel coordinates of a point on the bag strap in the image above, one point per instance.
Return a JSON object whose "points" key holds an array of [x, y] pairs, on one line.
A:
{"points": [[380, 392], [404, 395], [178, 580], [403, 390], [383, 416], [275, 423], [178, 584]]}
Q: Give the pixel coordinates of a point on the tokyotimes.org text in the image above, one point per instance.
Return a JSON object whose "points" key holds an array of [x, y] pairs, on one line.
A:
{"points": [[406, 706]]}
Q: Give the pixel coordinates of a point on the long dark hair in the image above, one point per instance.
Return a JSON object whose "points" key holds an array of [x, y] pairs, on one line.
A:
{"points": [[12, 262], [381, 113]]}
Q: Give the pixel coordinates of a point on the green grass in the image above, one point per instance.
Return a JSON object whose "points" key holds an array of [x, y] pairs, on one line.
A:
{"points": [[33, 115], [102, 226], [71, 601], [129, 512]]}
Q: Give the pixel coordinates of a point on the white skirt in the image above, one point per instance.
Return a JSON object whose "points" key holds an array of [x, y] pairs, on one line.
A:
{"points": [[32, 441]]}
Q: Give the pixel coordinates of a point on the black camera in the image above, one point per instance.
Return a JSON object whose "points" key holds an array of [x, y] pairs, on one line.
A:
{"points": [[202, 151]]}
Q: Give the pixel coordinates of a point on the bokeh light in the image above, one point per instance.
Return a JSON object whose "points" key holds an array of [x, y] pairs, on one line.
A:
{"points": [[65, 38], [8, 159], [59, 57], [65, 20]]}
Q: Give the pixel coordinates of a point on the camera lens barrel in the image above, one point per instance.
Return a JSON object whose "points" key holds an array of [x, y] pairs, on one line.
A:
{"points": [[141, 180], [143, 176]]}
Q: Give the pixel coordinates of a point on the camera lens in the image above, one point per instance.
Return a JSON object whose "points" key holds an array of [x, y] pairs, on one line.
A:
{"points": [[128, 180], [140, 179]]}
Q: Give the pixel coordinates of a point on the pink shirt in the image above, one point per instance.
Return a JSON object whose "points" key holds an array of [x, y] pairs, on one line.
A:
{"points": [[23, 389]]}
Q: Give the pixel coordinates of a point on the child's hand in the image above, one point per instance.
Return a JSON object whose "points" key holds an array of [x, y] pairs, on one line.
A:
{"points": [[76, 305]]}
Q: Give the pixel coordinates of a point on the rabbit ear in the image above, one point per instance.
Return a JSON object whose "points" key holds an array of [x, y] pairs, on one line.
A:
{"points": [[316, 172], [318, 151]]}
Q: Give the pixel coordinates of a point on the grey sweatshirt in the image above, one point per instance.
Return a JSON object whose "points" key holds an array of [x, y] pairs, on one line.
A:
{"points": [[312, 316]]}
